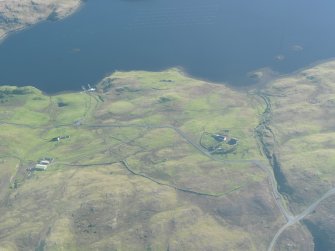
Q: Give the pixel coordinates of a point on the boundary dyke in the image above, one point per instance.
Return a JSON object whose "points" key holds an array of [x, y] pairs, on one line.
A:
{"points": [[126, 165]]}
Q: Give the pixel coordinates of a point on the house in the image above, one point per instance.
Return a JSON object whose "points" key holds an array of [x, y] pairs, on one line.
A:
{"points": [[40, 167], [57, 139], [219, 137], [44, 162], [91, 89]]}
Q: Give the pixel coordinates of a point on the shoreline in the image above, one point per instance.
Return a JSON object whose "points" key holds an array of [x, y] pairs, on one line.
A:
{"points": [[7, 34], [181, 70]]}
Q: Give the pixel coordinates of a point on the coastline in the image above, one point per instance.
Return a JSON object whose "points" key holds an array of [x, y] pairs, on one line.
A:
{"points": [[7, 34], [182, 71], [117, 105]]}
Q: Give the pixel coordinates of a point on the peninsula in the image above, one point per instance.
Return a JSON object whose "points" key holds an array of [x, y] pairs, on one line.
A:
{"points": [[19, 14]]}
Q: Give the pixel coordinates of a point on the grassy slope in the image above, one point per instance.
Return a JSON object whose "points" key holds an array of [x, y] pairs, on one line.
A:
{"points": [[158, 115], [87, 199], [304, 121]]}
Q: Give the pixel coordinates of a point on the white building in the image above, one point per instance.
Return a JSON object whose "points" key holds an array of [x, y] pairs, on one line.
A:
{"points": [[40, 167]]}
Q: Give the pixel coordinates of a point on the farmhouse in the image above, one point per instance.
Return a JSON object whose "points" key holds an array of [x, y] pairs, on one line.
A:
{"points": [[217, 143], [219, 137]]}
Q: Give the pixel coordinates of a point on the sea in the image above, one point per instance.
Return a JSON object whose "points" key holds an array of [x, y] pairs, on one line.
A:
{"points": [[235, 42]]}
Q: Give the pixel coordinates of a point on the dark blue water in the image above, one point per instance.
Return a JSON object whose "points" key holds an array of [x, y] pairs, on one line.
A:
{"points": [[218, 40], [323, 238]]}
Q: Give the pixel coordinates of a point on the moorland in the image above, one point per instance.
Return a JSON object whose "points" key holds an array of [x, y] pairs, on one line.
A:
{"points": [[129, 171]]}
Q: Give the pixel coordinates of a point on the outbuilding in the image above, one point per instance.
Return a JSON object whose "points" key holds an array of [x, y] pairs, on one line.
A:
{"points": [[40, 167], [44, 162]]}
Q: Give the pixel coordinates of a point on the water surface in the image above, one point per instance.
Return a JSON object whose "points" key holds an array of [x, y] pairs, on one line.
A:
{"points": [[218, 40]]}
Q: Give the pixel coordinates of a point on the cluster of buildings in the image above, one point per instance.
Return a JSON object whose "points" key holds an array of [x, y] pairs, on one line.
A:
{"points": [[41, 165], [89, 88], [216, 143], [225, 138]]}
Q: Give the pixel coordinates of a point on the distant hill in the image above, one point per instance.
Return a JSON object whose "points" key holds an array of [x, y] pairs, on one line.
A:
{"points": [[19, 14]]}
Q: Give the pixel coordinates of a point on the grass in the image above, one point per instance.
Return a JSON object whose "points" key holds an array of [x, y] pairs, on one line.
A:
{"points": [[303, 122], [153, 121], [76, 106]]}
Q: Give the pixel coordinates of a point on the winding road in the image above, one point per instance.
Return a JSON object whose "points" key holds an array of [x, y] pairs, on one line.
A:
{"points": [[279, 200], [299, 217], [291, 219]]}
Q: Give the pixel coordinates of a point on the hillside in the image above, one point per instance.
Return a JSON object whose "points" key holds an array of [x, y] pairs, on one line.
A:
{"points": [[19, 14], [144, 162], [303, 124], [132, 175]]}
